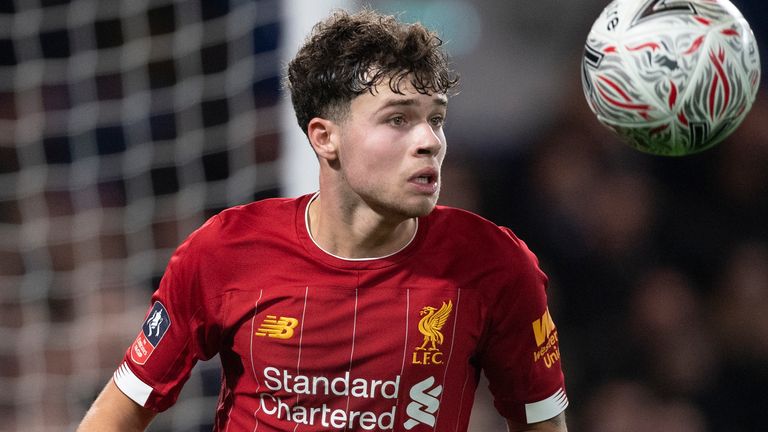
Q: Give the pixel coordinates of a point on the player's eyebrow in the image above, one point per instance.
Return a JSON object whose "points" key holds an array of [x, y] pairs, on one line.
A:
{"points": [[438, 100], [441, 100]]}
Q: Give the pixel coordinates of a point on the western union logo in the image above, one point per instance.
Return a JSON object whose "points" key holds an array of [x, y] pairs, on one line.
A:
{"points": [[542, 327], [281, 328], [546, 340]]}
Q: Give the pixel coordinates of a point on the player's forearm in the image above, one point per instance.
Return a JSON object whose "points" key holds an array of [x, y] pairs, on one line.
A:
{"points": [[99, 421], [555, 424], [113, 411]]}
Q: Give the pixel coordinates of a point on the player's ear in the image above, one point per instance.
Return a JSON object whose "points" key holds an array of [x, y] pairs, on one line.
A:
{"points": [[323, 135]]}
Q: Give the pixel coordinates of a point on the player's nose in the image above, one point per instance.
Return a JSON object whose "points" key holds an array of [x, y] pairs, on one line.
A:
{"points": [[429, 140]]}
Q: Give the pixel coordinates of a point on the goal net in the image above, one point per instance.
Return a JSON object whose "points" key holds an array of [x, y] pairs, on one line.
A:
{"points": [[124, 125]]}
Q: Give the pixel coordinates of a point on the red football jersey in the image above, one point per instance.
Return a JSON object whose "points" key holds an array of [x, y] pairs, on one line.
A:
{"points": [[313, 342]]}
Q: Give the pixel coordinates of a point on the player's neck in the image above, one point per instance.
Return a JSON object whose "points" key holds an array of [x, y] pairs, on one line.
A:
{"points": [[357, 233]]}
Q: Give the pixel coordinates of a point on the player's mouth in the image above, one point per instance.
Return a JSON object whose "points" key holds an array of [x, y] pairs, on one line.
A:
{"points": [[425, 180]]}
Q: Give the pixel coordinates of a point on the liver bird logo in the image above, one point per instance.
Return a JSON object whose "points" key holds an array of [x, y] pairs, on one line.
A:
{"points": [[431, 323]]}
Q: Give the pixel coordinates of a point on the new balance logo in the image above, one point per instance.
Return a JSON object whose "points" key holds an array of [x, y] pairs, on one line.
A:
{"points": [[424, 404], [277, 328]]}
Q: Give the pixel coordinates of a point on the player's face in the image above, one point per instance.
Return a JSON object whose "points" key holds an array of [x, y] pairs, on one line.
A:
{"points": [[392, 148]]}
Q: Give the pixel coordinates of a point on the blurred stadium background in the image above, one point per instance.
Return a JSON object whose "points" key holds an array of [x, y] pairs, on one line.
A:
{"points": [[125, 124]]}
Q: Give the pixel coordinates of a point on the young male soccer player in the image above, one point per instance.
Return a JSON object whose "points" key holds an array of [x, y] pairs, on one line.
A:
{"points": [[363, 306]]}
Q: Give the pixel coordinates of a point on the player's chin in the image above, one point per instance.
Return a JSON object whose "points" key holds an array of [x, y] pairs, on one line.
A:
{"points": [[421, 205]]}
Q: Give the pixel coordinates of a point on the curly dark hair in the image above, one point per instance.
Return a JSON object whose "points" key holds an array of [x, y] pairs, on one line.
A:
{"points": [[349, 54]]}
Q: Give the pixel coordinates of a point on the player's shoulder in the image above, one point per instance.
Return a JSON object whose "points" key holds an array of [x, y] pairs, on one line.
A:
{"points": [[452, 219], [466, 227], [254, 218], [478, 243], [257, 211], [454, 215]]}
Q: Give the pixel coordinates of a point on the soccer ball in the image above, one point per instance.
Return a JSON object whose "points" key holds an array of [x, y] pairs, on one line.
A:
{"points": [[671, 77]]}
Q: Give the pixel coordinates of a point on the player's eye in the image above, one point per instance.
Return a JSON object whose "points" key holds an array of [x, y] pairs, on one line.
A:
{"points": [[437, 121], [397, 120]]}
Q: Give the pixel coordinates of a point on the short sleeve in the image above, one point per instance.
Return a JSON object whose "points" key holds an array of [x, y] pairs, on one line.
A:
{"points": [[520, 354], [178, 330]]}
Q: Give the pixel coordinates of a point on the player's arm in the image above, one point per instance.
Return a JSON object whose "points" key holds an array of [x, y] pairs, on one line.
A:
{"points": [[114, 411], [555, 424]]}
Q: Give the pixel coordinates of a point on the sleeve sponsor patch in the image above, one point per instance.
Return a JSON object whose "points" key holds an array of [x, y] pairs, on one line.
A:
{"points": [[154, 328], [545, 333]]}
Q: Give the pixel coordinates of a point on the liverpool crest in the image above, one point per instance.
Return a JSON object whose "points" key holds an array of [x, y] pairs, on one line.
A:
{"points": [[430, 326]]}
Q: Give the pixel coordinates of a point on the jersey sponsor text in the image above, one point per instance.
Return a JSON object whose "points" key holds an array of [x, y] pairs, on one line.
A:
{"points": [[343, 385], [283, 381]]}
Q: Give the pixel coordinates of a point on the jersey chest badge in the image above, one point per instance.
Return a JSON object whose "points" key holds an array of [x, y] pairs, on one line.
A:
{"points": [[154, 328], [430, 326]]}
